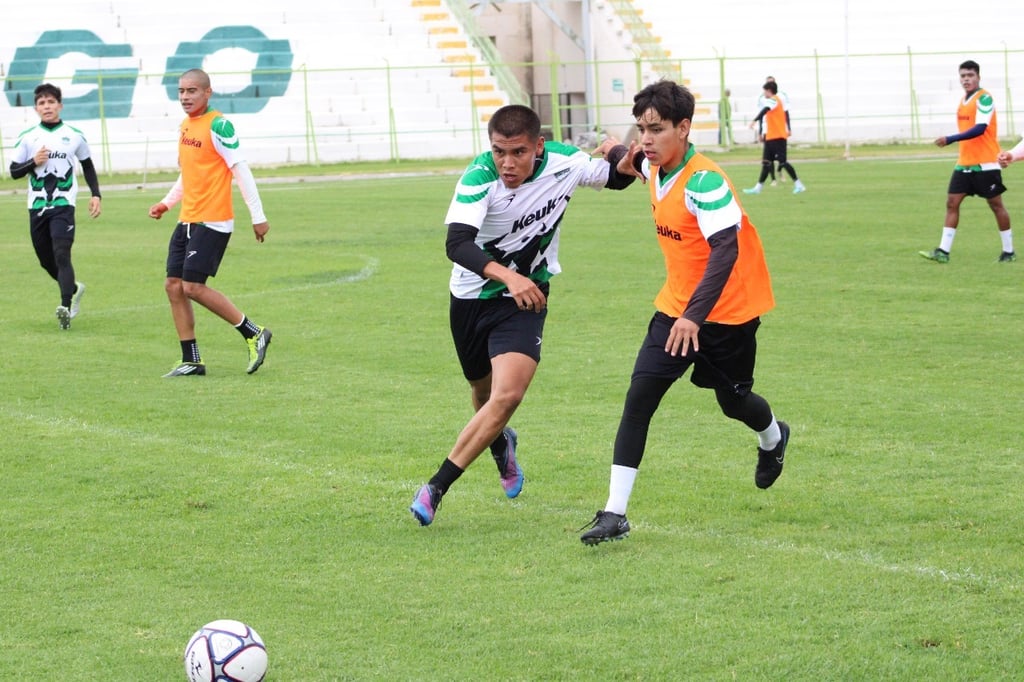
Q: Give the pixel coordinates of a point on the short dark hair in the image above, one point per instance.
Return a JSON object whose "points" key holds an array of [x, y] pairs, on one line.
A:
{"points": [[514, 119], [47, 89], [672, 101], [772, 87], [970, 65], [198, 75]]}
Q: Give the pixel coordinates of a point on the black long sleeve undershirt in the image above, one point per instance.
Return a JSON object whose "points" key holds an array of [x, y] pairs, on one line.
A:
{"points": [[89, 172], [724, 252], [462, 249], [460, 244]]}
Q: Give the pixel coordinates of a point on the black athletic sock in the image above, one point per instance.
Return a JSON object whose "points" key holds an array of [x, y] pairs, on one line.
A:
{"points": [[247, 328], [445, 476], [190, 351], [499, 445]]}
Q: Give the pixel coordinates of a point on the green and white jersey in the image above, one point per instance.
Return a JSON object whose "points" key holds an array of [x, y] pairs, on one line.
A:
{"points": [[519, 227], [53, 183]]}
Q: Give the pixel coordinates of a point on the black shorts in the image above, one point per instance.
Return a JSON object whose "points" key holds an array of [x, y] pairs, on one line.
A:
{"points": [[775, 150], [195, 251], [484, 328], [986, 184], [57, 222], [725, 361]]}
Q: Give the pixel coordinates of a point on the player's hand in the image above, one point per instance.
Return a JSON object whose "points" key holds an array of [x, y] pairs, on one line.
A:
{"points": [[157, 210], [1004, 159], [605, 147], [41, 156], [526, 293], [94, 207], [628, 163], [940, 141], [682, 337], [261, 229]]}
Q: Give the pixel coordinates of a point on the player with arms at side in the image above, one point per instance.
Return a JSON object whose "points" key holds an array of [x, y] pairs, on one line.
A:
{"points": [[503, 229], [707, 312], [977, 171], [46, 154], [209, 157]]}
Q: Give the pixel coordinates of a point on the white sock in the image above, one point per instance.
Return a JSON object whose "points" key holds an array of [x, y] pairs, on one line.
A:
{"points": [[946, 244], [771, 436], [1007, 237], [798, 183], [620, 486]]}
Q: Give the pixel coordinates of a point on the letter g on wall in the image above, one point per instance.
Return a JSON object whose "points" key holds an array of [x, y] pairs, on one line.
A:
{"points": [[269, 78], [112, 96]]}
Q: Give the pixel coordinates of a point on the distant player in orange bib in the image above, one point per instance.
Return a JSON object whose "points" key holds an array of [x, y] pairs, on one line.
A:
{"points": [[774, 119], [977, 171], [707, 312], [209, 157]]}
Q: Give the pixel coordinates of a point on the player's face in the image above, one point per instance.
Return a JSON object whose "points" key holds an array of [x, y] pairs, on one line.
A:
{"points": [[193, 96], [663, 144], [969, 80], [514, 157], [48, 109]]}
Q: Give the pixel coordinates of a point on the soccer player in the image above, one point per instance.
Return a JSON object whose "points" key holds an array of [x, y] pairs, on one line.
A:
{"points": [[1015, 154], [503, 228], [776, 126], [977, 171], [209, 157], [46, 154], [707, 312]]}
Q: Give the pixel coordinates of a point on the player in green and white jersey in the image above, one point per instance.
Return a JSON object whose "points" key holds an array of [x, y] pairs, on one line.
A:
{"points": [[503, 240], [46, 154]]}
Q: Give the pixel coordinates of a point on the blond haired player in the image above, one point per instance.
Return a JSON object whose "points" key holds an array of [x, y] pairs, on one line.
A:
{"points": [[977, 171], [209, 157], [707, 312]]}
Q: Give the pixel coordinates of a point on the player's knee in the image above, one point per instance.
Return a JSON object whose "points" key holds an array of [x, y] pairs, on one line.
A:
{"points": [[733, 404], [193, 290], [62, 253]]}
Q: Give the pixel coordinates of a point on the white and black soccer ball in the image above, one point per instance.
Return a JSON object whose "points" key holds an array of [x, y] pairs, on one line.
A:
{"points": [[225, 651]]}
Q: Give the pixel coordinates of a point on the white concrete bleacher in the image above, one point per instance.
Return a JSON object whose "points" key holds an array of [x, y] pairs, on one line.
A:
{"points": [[355, 70]]}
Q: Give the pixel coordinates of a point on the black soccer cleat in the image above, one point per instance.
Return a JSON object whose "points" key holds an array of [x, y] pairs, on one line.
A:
{"points": [[769, 462], [188, 369], [604, 527]]}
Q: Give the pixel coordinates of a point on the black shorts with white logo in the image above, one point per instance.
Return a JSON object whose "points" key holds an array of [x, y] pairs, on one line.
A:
{"points": [[725, 360], [195, 251], [983, 183], [57, 222], [485, 328]]}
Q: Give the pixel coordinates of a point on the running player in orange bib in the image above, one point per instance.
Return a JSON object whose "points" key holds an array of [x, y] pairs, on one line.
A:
{"points": [[707, 312]]}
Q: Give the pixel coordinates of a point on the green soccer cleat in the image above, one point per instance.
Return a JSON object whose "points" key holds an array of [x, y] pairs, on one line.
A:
{"points": [[938, 255], [1007, 257], [258, 349]]}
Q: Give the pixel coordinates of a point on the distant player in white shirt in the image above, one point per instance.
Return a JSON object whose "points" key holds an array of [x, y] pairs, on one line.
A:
{"points": [[503, 240], [46, 154]]}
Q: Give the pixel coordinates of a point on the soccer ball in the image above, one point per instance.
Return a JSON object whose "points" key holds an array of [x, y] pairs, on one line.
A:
{"points": [[225, 651]]}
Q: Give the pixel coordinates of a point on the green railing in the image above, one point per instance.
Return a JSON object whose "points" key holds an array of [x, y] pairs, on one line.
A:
{"points": [[330, 115]]}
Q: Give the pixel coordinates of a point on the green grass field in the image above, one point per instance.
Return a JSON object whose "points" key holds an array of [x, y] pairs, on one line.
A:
{"points": [[133, 509]]}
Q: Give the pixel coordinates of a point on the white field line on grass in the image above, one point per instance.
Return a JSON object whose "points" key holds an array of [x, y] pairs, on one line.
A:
{"points": [[860, 558], [369, 269], [75, 426]]}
